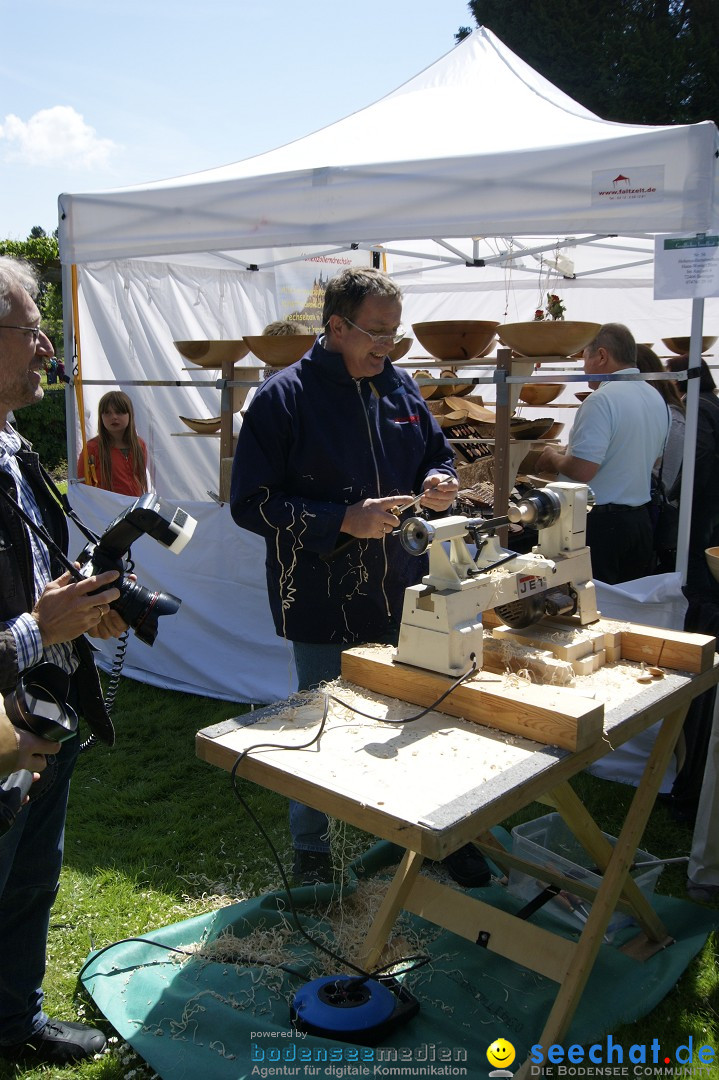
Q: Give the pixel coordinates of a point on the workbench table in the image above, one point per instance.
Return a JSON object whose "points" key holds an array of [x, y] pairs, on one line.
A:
{"points": [[434, 784]]}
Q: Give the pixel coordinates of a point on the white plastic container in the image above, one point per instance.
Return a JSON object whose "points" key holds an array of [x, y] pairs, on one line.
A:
{"points": [[549, 842]]}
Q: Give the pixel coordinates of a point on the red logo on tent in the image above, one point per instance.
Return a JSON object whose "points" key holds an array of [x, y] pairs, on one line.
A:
{"points": [[621, 181]]}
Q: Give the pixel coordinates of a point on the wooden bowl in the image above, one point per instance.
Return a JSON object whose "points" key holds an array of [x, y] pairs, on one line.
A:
{"points": [[428, 390], [555, 430], [530, 429], [401, 349], [202, 427], [680, 345], [555, 338], [583, 394], [712, 557], [539, 393], [280, 350], [212, 354], [455, 339]]}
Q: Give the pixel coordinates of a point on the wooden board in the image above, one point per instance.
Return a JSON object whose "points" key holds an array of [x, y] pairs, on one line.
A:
{"points": [[669, 648], [672, 649], [554, 715]]}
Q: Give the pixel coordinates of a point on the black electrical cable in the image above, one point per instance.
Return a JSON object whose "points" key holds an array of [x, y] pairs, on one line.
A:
{"points": [[418, 716], [278, 746], [247, 961], [362, 975]]}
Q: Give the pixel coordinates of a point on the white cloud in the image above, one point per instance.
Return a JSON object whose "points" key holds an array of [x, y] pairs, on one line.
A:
{"points": [[56, 136]]}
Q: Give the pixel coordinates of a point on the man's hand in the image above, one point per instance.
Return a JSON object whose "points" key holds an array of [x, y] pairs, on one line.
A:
{"points": [[32, 751], [65, 610], [439, 491], [22, 750], [577, 469], [548, 460], [371, 519]]}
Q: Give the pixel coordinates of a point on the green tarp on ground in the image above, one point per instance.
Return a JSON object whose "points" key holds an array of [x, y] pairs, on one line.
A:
{"points": [[190, 1018]]}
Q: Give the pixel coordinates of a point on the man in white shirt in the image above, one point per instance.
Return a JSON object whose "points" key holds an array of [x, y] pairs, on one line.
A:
{"points": [[618, 434]]}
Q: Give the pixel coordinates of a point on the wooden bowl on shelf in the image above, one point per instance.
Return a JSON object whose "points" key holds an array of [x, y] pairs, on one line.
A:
{"points": [[212, 354], [455, 339], [583, 395], [680, 345], [555, 430], [203, 427], [555, 338], [712, 557], [539, 393], [280, 350], [455, 389], [401, 349], [530, 429]]}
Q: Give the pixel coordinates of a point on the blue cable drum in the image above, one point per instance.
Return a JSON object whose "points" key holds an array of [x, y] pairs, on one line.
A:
{"points": [[342, 1003]]}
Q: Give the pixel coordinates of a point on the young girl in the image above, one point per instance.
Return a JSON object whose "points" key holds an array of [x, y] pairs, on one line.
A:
{"points": [[117, 456]]}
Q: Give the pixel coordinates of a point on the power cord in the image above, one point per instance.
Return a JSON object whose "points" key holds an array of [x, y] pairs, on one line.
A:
{"points": [[258, 824], [416, 961]]}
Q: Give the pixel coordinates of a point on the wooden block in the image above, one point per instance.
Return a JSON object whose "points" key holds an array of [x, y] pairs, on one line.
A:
{"points": [[562, 643], [544, 667], [553, 715], [588, 664], [609, 631], [614, 654], [668, 648], [490, 619]]}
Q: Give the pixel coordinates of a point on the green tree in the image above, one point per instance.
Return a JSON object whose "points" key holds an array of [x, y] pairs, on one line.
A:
{"points": [[634, 61], [42, 251]]}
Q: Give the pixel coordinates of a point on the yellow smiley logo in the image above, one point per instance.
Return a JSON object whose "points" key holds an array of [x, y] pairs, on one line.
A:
{"points": [[500, 1054]]}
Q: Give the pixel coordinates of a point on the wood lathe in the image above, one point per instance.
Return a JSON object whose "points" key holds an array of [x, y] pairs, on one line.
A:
{"points": [[442, 627]]}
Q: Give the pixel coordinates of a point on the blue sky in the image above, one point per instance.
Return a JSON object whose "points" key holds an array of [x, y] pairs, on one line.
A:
{"points": [[99, 93]]}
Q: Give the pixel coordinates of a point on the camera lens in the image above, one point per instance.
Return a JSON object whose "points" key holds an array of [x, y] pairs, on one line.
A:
{"points": [[141, 608]]}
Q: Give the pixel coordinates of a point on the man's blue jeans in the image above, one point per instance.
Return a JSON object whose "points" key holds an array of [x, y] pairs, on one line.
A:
{"points": [[30, 862], [315, 664]]}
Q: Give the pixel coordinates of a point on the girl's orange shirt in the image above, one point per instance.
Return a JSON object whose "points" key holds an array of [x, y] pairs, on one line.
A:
{"points": [[124, 482]]}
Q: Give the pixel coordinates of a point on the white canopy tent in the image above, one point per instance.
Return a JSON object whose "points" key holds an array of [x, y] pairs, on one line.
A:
{"points": [[478, 146]]}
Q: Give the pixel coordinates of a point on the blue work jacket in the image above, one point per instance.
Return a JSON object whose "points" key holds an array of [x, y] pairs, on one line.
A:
{"points": [[313, 442]]}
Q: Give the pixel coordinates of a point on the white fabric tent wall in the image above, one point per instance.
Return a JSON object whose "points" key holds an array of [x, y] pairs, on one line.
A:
{"points": [[221, 642]]}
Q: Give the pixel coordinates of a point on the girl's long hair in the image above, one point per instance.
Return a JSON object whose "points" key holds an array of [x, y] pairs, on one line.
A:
{"points": [[120, 402]]}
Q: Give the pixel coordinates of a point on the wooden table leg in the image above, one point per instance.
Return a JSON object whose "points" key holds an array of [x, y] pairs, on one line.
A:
{"points": [[613, 883], [390, 907], [590, 836]]}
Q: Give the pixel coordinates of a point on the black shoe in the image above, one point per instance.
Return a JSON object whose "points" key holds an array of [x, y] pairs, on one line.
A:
{"points": [[58, 1043], [468, 867], [311, 867]]}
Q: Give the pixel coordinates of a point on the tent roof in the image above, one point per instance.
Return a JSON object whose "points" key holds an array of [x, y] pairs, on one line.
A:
{"points": [[476, 144]]}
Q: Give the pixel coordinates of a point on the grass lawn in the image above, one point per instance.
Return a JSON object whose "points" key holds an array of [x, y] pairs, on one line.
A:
{"points": [[155, 836]]}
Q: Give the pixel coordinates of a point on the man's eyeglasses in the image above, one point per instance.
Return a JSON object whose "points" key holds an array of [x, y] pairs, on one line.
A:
{"points": [[34, 330], [380, 339]]}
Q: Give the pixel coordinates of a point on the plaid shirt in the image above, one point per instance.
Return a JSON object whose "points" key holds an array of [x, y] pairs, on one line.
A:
{"points": [[25, 629]]}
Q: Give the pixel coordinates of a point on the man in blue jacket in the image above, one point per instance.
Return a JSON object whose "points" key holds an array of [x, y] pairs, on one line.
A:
{"points": [[328, 451]]}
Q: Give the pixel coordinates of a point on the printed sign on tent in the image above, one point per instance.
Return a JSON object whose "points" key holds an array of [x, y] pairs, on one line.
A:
{"points": [[301, 285], [686, 267]]}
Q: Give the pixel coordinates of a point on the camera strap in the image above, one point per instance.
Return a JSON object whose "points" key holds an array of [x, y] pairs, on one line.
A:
{"points": [[67, 509], [42, 533]]}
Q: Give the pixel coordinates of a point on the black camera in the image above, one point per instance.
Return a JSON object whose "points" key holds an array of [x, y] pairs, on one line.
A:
{"points": [[37, 704], [168, 524]]}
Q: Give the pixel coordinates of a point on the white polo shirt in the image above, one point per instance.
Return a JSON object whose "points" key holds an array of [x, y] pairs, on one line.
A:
{"points": [[622, 428]]}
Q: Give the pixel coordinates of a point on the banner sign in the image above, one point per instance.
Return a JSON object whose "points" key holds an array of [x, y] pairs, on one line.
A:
{"points": [[686, 267]]}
